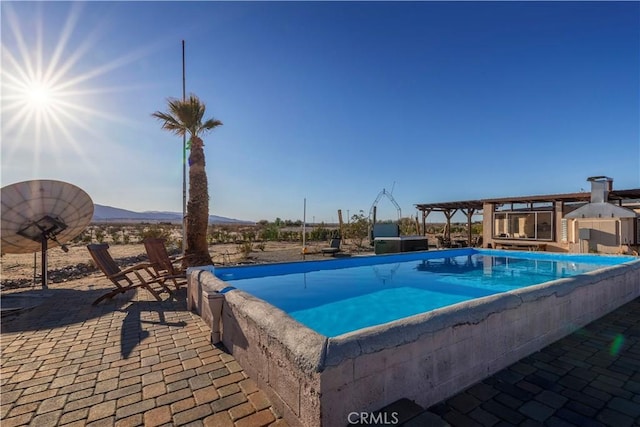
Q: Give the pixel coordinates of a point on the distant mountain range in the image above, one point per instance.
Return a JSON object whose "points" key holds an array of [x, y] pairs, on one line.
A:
{"points": [[103, 213]]}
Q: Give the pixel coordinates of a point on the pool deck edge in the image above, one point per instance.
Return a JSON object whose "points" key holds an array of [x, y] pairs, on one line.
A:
{"points": [[315, 381]]}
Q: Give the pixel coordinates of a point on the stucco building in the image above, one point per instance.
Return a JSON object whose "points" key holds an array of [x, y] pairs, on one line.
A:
{"points": [[603, 220]]}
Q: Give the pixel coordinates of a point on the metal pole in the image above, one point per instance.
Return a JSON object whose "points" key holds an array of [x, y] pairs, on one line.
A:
{"points": [[304, 229], [33, 284], [43, 261], [184, 167]]}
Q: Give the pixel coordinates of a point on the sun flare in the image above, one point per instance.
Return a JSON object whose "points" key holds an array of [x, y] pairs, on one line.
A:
{"points": [[39, 95], [53, 97], [40, 90]]}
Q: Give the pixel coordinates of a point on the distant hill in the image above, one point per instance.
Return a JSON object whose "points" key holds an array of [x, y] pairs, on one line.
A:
{"points": [[103, 213]]}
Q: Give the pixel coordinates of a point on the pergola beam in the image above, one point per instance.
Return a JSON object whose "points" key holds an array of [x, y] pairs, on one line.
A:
{"points": [[449, 209]]}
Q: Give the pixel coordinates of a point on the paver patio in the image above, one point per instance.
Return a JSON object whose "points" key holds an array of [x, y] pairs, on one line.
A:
{"points": [[135, 361], [589, 378], [130, 361]]}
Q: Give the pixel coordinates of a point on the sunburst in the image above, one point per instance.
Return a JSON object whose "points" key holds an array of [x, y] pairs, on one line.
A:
{"points": [[50, 99], [40, 96]]}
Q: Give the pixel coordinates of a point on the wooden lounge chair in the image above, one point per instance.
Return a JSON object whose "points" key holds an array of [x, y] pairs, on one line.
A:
{"points": [[334, 247], [137, 276], [164, 266]]}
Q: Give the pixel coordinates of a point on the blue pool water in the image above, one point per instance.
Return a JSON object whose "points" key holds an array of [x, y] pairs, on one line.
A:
{"points": [[343, 295]]}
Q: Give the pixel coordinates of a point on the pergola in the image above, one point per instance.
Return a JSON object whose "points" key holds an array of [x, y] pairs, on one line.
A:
{"points": [[449, 209], [626, 195]]}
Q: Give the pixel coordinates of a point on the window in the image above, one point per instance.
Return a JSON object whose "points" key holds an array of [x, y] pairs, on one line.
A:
{"points": [[529, 225]]}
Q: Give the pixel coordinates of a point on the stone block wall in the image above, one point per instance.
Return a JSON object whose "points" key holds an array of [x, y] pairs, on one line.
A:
{"points": [[317, 381]]}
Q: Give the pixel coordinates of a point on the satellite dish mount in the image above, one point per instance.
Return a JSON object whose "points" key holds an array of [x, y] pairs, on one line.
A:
{"points": [[43, 230]]}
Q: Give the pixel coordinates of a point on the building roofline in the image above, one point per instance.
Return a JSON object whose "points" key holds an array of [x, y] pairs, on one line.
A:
{"points": [[630, 194]]}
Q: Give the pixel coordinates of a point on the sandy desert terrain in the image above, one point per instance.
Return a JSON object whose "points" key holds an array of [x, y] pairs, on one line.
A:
{"points": [[15, 267]]}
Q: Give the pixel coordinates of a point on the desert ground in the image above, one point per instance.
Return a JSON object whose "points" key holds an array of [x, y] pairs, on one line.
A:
{"points": [[17, 270]]}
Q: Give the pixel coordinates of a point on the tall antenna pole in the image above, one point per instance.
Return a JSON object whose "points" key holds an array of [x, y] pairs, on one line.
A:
{"points": [[304, 229], [184, 167]]}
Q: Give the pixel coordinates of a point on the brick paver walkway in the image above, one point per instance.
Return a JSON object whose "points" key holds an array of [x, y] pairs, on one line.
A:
{"points": [[589, 378], [128, 362], [134, 361]]}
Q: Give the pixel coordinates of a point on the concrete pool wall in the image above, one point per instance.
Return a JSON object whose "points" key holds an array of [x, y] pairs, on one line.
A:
{"points": [[318, 381]]}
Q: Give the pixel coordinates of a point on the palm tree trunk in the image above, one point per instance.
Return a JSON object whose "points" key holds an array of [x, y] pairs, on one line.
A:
{"points": [[197, 250]]}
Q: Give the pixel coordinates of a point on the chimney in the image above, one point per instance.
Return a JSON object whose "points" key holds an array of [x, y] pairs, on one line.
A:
{"points": [[600, 187]]}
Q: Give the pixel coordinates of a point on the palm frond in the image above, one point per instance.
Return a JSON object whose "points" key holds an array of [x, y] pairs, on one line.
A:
{"points": [[169, 122], [211, 123], [186, 117]]}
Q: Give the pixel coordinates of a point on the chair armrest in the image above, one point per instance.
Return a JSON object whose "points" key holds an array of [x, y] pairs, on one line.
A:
{"points": [[180, 258], [133, 269], [141, 266]]}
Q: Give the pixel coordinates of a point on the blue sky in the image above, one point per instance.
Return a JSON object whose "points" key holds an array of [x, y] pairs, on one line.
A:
{"points": [[328, 101]]}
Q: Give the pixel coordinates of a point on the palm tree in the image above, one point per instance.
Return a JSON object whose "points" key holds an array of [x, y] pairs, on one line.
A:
{"points": [[185, 117]]}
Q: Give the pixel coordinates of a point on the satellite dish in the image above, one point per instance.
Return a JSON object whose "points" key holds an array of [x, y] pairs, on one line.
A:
{"points": [[38, 213]]}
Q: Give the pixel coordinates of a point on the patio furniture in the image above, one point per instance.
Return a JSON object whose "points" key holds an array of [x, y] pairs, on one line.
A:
{"points": [[137, 276], [334, 247], [163, 265], [443, 242], [526, 246], [477, 242], [460, 243]]}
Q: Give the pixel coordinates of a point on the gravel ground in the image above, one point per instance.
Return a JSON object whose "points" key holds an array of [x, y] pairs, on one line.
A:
{"points": [[17, 270]]}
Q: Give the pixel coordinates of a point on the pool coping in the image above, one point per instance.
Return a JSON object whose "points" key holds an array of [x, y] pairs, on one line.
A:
{"points": [[307, 374]]}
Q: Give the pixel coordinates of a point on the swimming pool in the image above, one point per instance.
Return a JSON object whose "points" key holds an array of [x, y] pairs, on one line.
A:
{"points": [[334, 298], [315, 379]]}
